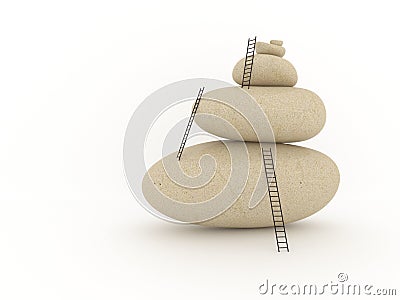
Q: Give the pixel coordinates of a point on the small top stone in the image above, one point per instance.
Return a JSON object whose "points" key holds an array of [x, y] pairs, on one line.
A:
{"points": [[267, 70], [276, 42], [271, 49]]}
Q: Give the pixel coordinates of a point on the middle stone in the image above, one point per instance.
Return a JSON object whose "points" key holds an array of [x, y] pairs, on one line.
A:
{"points": [[294, 114]]}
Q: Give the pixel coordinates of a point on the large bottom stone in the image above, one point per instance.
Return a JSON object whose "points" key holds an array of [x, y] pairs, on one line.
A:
{"points": [[307, 181]]}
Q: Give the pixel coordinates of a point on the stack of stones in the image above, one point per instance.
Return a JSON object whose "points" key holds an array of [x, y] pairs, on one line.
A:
{"points": [[307, 179]]}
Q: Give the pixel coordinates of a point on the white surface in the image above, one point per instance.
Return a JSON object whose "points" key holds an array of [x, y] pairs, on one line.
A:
{"points": [[71, 75]]}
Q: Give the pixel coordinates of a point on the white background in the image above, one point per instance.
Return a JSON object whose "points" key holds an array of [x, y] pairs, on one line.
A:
{"points": [[73, 72]]}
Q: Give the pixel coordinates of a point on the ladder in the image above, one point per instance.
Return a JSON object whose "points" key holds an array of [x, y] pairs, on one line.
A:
{"points": [[275, 201], [248, 62], [189, 125]]}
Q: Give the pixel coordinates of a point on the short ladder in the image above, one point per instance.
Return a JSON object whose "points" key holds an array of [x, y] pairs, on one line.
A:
{"points": [[189, 125], [248, 62]]}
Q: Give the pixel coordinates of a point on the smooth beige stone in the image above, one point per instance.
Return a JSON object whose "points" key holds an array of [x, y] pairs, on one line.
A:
{"points": [[276, 42], [307, 181], [265, 48], [268, 70], [294, 114]]}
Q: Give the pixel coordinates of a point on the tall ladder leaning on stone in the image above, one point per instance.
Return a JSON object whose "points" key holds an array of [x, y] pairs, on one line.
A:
{"points": [[248, 62], [275, 201], [189, 125]]}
